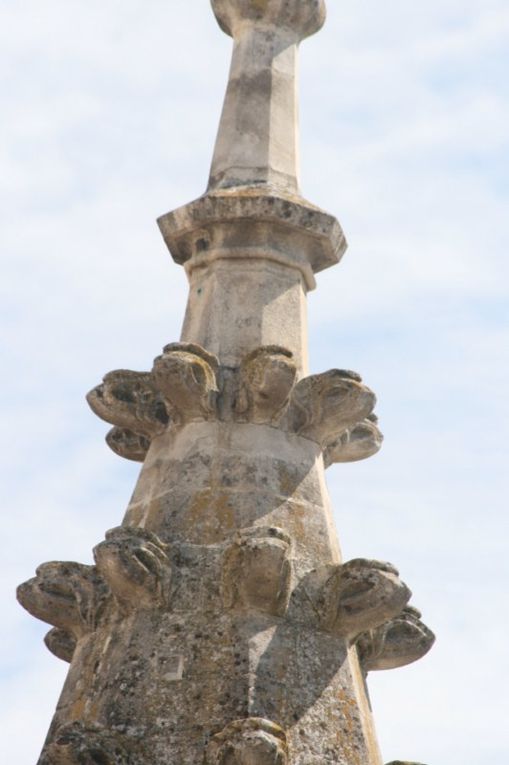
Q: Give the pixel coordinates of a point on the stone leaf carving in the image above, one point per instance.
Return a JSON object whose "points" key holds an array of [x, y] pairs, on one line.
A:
{"points": [[257, 570], [303, 17], [357, 443], [359, 595], [61, 643], [70, 596], [186, 375], [136, 565], [77, 744], [267, 376], [253, 741], [128, 444], [323, 406], [130, 400], [396, 643]]}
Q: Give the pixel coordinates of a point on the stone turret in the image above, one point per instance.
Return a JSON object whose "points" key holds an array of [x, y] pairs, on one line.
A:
{"points": [[219, 624]]}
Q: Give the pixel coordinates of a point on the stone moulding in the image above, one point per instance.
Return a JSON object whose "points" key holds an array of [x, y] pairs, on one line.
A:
{"points": [[135, 564], [253, 741], [257, 570], [402, 640], [209, 227], [186, 385], [358, 595]]}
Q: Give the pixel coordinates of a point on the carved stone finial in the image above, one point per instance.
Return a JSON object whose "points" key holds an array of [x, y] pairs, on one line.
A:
{"points": [[136, 566], [68, 595], [267, 377], [323, 406], [78, 744], [253, 741], [361, 441], [61, 643], [128, 444], [396, 643], [359, 595], [186, 376], [130, 400], [257, 570]]}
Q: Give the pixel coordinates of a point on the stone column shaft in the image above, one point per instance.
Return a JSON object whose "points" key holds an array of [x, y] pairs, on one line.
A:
{"points": [[258, 132]]}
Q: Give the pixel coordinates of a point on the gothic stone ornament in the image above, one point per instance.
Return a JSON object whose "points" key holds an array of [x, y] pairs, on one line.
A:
{"points": [[61, 643], [186, 376], [253, 741], [136, 566], [128, 444], [257, 570], [323, 406], [77, 744], [267, 378], [71, 596], [396, 643], [359, 595], [130, 400], [361, 441]]}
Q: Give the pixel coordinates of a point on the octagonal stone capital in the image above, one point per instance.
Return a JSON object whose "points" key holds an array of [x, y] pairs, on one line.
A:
{"points": [[250, 223]]}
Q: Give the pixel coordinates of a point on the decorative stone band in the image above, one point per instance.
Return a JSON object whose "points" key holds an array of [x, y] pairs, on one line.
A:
{"points": [[396, 643], [188, 384], [252, 223], [253, 741]]}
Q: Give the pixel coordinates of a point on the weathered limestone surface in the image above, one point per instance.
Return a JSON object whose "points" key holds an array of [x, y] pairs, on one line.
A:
{"points": [[219, 624]]}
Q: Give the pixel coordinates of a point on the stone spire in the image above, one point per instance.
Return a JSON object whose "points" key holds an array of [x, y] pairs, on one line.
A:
{"points": [[219, 624]]}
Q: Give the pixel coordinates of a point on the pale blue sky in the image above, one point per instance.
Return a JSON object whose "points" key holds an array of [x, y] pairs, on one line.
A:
{"points": [[109, 112]]}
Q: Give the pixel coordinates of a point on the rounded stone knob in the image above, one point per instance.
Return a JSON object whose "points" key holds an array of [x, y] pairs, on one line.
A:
{"points": [[303, 17]]}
